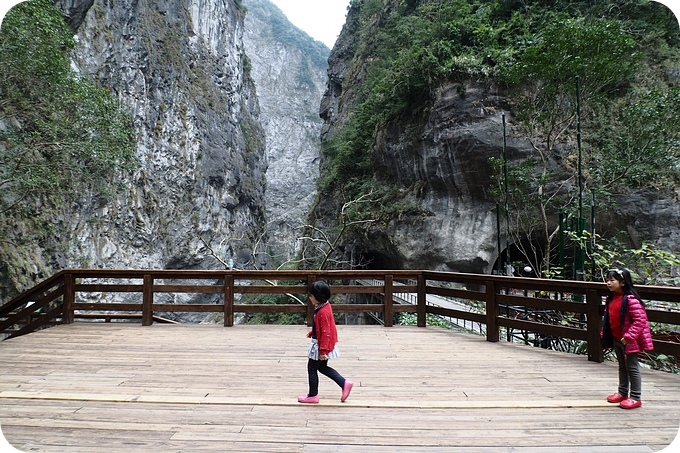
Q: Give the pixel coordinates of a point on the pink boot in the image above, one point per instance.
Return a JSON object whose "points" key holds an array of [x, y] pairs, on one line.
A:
{"points": [[308, 399], [346, 389]]}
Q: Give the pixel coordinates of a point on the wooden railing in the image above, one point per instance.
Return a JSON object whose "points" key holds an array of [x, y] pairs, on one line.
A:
{"points": [[134, 294]]}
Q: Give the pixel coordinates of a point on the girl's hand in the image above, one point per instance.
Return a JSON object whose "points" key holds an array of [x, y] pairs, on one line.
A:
{"points": [[323, 357]]}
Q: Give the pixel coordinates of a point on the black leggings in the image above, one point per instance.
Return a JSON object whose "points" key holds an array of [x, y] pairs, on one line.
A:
{"points": [[322, 367]]}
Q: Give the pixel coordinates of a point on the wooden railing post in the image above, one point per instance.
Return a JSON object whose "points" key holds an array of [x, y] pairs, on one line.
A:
{"points": [[594, 325], [388, 313], [69, 299], [422, 301], [310, 307], [492, 333], [147, 301], [229, 300]]}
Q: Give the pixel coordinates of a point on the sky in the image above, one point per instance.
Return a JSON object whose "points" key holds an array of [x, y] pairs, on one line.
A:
{"points": [[320, 19]]}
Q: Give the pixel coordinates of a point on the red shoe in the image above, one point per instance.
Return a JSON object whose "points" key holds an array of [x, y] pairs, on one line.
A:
{"points": [[346, 389], [616, 398], [308, 399], [630, 404]]}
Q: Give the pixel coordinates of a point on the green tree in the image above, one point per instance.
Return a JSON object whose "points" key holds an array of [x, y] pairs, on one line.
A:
{"points": [[649, 264], [605, 60], [61, 135], [636, 142], [63, 140]]}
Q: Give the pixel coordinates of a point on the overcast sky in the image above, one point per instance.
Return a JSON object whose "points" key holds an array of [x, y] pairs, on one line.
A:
{"points": [[320, 19]]}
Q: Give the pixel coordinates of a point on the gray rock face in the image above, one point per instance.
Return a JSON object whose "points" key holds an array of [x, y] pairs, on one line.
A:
{"points": [[646, 216], [74, 11], [450, 162], [289, 71], [177, 67]]}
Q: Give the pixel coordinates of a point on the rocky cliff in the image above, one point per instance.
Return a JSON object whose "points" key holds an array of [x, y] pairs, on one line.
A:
{"points": [[178, 67], [438, 160], [289, 71], [449, 157], [224, 97]]}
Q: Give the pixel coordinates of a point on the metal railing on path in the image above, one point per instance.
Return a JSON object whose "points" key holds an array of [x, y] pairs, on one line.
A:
{"points": [[107, 294]]}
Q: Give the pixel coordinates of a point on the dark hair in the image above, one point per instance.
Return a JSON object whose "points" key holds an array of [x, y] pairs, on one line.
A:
{"points": [[626, 280], [320, 290]]}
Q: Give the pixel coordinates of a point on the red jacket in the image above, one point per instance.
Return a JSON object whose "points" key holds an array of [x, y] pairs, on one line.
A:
{"points": [[326, 332]]}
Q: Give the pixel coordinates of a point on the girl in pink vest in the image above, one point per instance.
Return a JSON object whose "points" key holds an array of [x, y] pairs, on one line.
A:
{"points": [[626, 329]]}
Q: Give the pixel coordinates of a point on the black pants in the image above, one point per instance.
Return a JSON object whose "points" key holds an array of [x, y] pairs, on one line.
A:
{"points": [[321, 366]]}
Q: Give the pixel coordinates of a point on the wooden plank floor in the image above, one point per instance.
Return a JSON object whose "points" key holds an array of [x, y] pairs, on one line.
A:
{"points": [[119, 387]]}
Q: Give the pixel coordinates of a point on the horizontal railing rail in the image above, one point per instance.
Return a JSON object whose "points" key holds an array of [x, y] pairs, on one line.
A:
{"points": [[496, 301]]}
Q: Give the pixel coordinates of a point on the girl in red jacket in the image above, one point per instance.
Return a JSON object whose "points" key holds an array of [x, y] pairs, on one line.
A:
{"points": [[626, 329], [324, 337]]}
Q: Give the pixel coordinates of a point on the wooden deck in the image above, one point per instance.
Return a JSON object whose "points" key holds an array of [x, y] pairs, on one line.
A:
{"points": [[118, 387]]}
